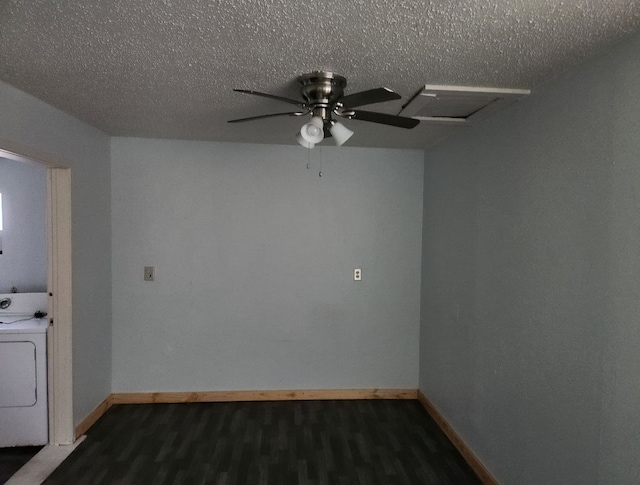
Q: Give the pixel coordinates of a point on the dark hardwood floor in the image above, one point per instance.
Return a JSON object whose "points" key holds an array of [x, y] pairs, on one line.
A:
{"points": [[12, 459], [292, 442]]}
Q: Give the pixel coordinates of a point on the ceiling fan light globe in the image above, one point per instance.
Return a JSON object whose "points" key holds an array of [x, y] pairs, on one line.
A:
{"points": [[340, 133], [317, 121], [304, 142], [313, 132]]}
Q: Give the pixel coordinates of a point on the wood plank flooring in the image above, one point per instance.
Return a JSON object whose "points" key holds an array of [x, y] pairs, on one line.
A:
{"points": [[296, 442]]}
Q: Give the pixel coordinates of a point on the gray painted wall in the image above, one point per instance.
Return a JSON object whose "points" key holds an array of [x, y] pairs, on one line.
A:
{"points": [[254, 257], [33, 124], [23, 263], [531, 280]]}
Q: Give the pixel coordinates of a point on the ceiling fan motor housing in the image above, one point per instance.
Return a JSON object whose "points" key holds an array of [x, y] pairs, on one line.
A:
{"points": [[322, 89]]}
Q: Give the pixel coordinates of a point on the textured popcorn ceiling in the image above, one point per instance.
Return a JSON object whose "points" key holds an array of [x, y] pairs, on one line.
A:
{"points": [[166, 69]]}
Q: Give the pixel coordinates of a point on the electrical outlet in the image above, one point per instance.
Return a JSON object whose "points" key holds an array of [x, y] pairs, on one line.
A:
{"points": [[148, 273], [357, 274]]}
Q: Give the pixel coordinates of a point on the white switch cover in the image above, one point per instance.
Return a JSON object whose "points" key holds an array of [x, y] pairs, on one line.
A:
{"points": [[357, 274]]}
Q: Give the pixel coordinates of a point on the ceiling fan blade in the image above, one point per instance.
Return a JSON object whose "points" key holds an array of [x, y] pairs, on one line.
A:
{"points": [[272, 96], [385, 119], [371, 96], [251, 118]]}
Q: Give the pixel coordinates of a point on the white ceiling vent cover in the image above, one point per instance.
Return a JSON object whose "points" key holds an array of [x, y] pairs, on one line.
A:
{"points": [[459, 104]]}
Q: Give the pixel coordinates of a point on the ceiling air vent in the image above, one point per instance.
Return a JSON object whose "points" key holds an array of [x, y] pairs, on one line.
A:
{"points": [[459, 104]]}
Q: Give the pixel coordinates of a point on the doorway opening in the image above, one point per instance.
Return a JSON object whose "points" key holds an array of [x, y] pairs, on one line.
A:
{"points": [[59, 290]]}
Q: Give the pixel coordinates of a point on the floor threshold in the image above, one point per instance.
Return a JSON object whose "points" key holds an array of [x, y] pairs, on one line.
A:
{"points": [[36, 470]]}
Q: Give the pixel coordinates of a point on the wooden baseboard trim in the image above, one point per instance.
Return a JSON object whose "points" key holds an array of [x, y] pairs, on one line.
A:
{"points": [[93, 416], [483, 474], [230, 396]]}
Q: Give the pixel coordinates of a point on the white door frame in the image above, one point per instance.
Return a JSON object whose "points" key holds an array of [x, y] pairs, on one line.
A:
{"points": [[59, 282], [59, 350]]}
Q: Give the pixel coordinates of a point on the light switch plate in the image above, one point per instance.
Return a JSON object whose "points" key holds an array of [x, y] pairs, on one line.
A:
{"points": [[148, 273]]}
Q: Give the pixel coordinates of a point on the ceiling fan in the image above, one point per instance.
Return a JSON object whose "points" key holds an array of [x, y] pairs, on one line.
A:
{"points": [[323, 98]]}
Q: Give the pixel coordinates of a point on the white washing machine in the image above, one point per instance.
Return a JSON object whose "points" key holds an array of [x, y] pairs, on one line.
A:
{"points": [[23, 370]]}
